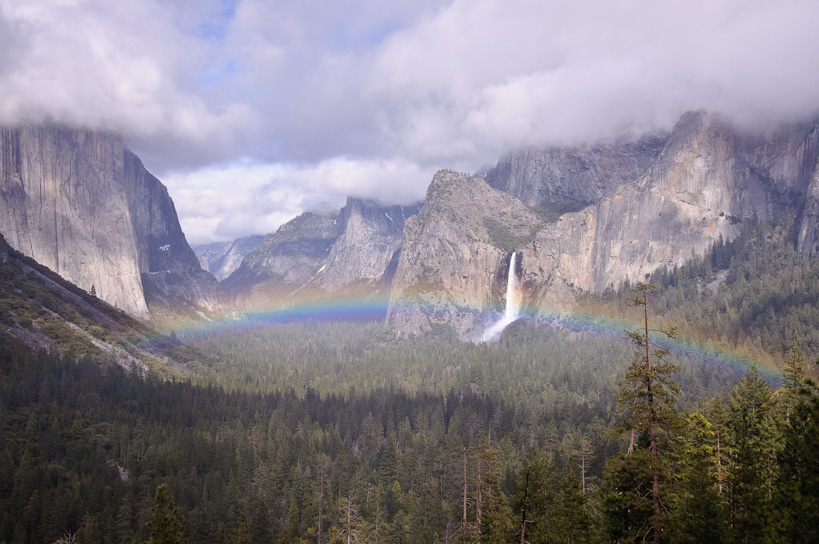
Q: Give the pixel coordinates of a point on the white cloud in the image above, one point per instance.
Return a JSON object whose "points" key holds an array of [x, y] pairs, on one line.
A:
{"points": [[368, 98], [229, 201], [484, 75], [123, 66]]}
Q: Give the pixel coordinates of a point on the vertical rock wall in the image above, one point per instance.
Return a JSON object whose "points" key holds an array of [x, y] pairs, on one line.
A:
{"points": [[63, 206], [707, 178], [79, 203]]}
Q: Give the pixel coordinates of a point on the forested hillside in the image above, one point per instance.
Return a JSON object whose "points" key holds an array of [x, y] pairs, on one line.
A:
{"points": [[51, 314], [340, 432], [744, 296]]}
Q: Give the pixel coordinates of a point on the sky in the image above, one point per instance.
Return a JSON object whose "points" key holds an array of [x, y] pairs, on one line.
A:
{"points": [[252, 111]]}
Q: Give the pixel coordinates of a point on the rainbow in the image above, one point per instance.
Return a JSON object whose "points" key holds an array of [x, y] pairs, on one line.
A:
{"points": [[374, 308], [708, 352], [371, 308]]}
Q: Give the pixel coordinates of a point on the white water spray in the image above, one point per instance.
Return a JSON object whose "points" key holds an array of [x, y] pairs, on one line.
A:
{"points": [[513, 303]]}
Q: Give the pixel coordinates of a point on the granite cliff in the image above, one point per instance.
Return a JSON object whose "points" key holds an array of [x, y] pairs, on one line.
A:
{"points": [[81, 204], [707, 177], [223, 258], [561, 178], [315, 255], [455, 251], [284, 261], [366, 251]]}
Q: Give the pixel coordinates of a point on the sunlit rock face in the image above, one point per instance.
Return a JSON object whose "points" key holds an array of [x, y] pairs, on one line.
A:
{"points": [[809, 231], [452, 252], [81, 204], [63, 205], [369, 241], [351, 252], [172, 278], [284, 261], [705, 180]]}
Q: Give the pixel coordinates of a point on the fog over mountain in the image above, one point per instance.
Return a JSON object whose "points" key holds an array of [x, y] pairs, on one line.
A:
{"points": [[252, 112]]}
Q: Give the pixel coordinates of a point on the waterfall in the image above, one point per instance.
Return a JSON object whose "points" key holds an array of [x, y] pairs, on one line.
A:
{"points": [[513, 303]]}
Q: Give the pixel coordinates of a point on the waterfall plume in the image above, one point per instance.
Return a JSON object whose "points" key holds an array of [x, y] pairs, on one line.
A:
{"points": [[513, 303]]}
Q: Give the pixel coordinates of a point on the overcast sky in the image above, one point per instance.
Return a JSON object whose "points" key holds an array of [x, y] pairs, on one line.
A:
{"points": [[251, 111]]}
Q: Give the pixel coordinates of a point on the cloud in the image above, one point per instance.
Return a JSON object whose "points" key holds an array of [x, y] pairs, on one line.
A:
{"points": [[308, 101], [232, 200], [123, 66], [482, 75]]}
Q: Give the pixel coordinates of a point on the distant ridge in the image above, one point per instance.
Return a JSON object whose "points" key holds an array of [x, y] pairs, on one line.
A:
{"points": [[315, 256], [223, 258]]}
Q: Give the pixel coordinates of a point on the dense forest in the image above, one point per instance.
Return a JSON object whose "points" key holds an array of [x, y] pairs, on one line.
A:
{"points": [[322, 432], [745, 295]]}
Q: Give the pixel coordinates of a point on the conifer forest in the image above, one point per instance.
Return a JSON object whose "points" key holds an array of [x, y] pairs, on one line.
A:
{"points": [[339, 432]]}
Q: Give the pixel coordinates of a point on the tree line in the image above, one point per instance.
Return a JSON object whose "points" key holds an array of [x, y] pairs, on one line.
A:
{"points": [[337, 432], [98, 454]]}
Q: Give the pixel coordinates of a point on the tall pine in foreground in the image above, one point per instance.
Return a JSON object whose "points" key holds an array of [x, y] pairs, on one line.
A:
{"points": [[534, 506], [700, 513], [637, 506], [574, 523], [797, 504], [166, 524], [755, 445]]}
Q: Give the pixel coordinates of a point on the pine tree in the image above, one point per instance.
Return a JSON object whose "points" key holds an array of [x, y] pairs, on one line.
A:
{"points": [[167, 525], [700, 514], [754, 447], [467, 530], [241, 534], [795, 363], [492, 514], [797, 501], [574, 520], [626, 497], [716, 412], [648, 395], [349, 521], [533, 505], [125, 520]]}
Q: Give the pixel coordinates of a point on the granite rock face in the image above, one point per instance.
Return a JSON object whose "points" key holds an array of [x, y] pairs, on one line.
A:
{"points": [[172, 279], [368, 243], [284, 261], [79, 203], [453, 251], [223, 258], [707, 178], [316, 255], [574, 177], [809, 229], [63, 205]]}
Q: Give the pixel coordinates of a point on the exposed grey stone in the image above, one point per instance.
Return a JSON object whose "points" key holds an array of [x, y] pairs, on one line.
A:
{"points": [[369, 238], [451, 251], [707, 178], [222, 258], [316, 255], [79, 203], [573, 177], [284, 261], [63, 205]]}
